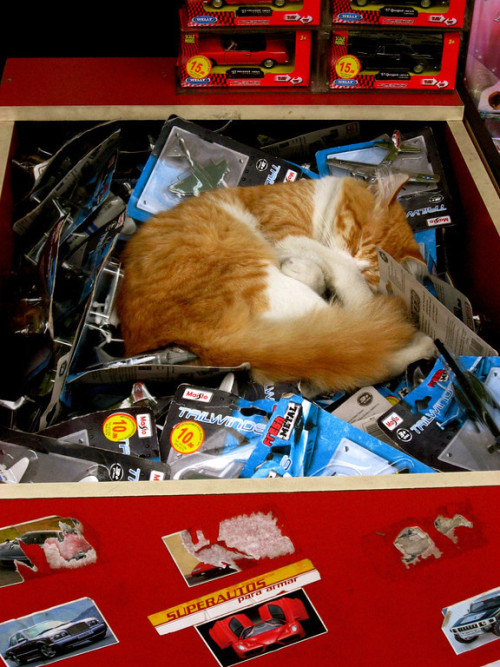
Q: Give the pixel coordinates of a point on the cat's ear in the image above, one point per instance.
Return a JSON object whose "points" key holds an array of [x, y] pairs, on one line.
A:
{"points": [[387, 186]]}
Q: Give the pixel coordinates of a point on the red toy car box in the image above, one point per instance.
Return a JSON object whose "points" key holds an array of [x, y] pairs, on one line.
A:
{"points": [[244, 59], [425, 13], [230, 13], [388, 60]]}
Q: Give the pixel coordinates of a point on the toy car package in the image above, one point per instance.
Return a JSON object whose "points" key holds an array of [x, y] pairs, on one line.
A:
{"points": [[425, 197], [303, 440], [210, 433], [251, 59], [428, 13], [31, 458], [207, 14], [399, 60], [435, 422], [188, 159]]}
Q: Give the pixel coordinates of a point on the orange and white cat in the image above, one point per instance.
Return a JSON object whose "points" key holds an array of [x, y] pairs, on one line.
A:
{"points": [[240, 275]]}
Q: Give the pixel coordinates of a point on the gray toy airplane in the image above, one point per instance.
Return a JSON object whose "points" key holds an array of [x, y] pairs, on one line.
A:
{"points": [[371, 172]]}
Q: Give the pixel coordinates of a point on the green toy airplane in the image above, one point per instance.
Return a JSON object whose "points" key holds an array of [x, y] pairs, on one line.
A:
{"points": [[202, 178]]}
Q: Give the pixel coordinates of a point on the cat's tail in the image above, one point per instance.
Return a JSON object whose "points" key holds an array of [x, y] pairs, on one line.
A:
{"points": [[332, 348]]}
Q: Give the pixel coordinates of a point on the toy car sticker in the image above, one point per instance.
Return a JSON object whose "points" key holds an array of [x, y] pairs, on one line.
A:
{"points": [[216, 549], [40, 547], [262, 628], [235, 598], [473, 622], [55, 634]]}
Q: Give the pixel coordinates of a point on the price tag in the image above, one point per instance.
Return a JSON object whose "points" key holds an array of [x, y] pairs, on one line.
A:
{"points": [[198, 67], [347, 67], [119, 426], [187, 437]]}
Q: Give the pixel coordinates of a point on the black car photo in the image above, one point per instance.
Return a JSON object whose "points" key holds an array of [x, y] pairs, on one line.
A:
{"points": [[49, 639], [11, 551]]}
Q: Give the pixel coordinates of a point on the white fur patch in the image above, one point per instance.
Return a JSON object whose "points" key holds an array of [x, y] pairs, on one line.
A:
{"points": [[289, 298], [326, 192], [236, 210]]}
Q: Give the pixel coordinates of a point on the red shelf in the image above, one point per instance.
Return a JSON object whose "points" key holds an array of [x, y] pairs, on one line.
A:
{"points": [[29, 84]]}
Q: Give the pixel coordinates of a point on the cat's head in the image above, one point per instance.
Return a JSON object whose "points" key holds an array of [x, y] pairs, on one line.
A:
{"points": [[390, 229]]}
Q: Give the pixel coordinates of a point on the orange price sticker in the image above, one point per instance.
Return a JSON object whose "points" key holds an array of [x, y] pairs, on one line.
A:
{"points": [[119, 426], [198, 67], [187, 437], [347, 67]]}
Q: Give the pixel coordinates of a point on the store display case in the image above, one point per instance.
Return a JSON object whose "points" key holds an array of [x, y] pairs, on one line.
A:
{"points": [[414, 550]]}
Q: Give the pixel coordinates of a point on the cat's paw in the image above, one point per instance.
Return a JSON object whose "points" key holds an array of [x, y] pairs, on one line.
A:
{"points": [[306, 271], [363, 264], [421, 346]]}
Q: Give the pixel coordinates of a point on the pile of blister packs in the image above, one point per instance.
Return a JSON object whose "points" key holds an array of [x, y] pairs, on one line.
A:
{"points": [[74, 408]]}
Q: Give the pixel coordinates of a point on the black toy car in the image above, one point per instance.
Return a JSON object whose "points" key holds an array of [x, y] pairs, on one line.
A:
{"points": [[483, 616], [378, 54], [425, 4], [51, 638]]}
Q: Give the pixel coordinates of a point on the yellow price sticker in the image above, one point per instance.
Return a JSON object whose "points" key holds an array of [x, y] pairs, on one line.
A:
{"points": [[187, 437], [119, 426], [198, 67], [347, 67]]}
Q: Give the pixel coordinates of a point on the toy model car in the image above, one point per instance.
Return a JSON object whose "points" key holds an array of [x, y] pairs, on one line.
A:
{"points": [[425, 4], [51, 638], [279, 625], [483, 616], [377, 55], [217, 4], [244, 50]]}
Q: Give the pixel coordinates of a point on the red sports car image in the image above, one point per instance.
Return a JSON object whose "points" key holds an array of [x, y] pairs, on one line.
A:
{"points": [[244, 50], [217, 4], [279, 625]]}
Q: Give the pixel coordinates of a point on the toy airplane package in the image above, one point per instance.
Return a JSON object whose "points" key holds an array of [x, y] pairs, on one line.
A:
{"points": [[211, 433], [303, 440], [451, 421], [425, 198], [188, 159], [32, 458], [128, 431]]}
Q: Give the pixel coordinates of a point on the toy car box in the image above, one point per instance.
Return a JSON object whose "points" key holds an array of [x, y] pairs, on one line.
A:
{"points": [[232, 60], [229, 13], [425, 13], [390, 60]]}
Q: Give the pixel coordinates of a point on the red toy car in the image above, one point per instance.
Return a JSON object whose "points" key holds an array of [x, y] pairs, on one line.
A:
{"points": [[217, 4], [279, 625], [244, 50]]}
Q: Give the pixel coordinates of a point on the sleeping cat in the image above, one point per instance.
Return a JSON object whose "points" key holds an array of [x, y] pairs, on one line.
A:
{"points": [[239, 275]]}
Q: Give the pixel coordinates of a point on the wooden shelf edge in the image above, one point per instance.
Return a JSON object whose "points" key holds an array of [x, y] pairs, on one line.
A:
{"points": [[244, 486], [234, 112]]}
